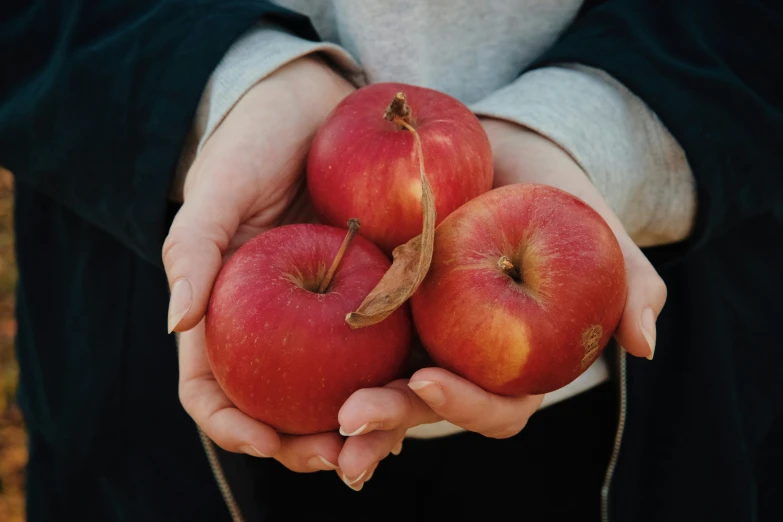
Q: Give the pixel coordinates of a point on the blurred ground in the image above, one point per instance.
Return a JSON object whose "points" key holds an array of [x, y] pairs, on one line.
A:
{"points": [[13, 452]]}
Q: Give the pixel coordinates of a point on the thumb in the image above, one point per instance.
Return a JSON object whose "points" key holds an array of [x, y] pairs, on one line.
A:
{"points": [[644, 301], [193, 255]]}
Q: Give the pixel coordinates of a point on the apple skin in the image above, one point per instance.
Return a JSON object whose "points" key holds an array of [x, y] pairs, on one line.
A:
{"points": [[361, 165], [283, 354], [533, 337]]}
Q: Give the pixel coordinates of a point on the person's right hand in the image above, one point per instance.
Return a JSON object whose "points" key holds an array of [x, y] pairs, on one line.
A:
{"points": [[378, 418], [247, 179]]}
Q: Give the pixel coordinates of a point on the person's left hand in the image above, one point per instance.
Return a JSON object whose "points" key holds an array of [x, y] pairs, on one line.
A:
{"points": [[377, 419], [248, 178]]}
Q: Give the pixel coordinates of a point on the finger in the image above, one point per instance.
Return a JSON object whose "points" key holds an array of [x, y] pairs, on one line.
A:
{"points": [[222, 186], [204, 400], [309, 453], [466, 405], [644, 301], [385, 408], [375, 421], [193, 252], [360, 454], [357, 484]]}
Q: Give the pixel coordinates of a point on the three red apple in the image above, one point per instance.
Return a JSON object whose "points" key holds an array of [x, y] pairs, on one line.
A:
{"points": [[525, 289]]}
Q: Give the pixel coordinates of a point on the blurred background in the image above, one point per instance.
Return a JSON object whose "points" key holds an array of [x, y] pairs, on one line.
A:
{"points": [[13, 452]]}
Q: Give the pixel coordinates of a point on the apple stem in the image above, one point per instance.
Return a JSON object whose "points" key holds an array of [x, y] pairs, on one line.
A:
{"points": [[353, 228], [399, 111], [508, 267], [416, 140]]}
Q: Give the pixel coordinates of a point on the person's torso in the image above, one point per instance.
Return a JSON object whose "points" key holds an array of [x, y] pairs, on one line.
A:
{"points": [[467, 49]]}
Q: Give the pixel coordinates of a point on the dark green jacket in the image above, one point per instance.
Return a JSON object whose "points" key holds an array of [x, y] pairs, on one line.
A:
{"points": [[95, 102]]}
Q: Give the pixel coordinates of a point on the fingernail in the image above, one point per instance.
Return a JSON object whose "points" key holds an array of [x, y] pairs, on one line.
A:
{"points": [[396, 450], [179, 303], [253, 452], [647, 326], [320, 463], [429, 391], [369, 476], [355, 484], [364, 428]]}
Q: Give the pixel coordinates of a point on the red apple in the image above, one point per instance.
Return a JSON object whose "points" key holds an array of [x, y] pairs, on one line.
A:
{"points": [[366, 166], [527, 286], [280, 348]]}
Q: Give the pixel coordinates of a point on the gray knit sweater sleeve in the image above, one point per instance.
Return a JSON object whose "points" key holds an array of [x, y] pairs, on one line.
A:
{"points": [[623, 147]]}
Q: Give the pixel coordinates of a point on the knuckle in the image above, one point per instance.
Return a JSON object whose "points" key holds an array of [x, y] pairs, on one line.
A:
{"points": [[184, 242], [362, 395], [402, 405], [658, 289], [175, 238], [283, 456]]}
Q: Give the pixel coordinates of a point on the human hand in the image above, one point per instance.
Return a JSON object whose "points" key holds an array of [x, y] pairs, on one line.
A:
{"points": [[377, 419], [523, 156], [248, 178]]}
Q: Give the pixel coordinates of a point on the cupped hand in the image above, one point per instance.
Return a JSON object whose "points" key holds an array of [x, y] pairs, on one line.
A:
{"points": [[247, 178], [524, 156], [377, 419]]}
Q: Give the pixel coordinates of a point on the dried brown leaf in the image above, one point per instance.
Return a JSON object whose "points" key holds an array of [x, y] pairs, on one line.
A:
{"points": [[410, 264]]}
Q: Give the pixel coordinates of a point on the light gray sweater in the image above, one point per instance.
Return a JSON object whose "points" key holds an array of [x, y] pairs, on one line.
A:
{"points": [[474, 50]]}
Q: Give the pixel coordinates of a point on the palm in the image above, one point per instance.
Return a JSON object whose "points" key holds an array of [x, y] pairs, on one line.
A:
{"points": [[293, 206]]}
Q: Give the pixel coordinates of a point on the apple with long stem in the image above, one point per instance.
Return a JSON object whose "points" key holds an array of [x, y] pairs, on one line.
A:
{"points": [[364, 161]]}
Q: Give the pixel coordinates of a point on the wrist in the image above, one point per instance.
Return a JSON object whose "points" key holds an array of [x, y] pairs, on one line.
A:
{"points": [[524, 155], [314, 86]]}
